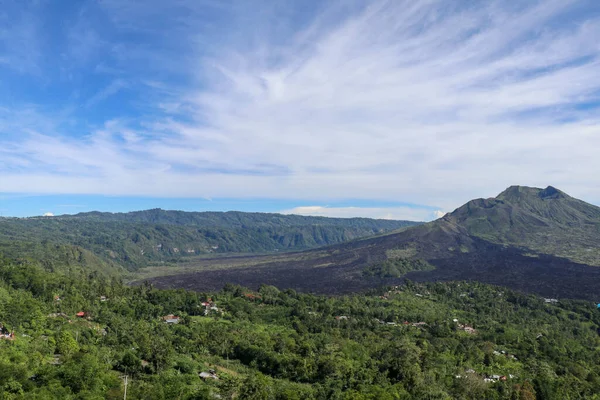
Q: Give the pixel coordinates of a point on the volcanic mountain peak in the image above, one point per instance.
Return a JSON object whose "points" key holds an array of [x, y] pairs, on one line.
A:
{"points": [[544, 220], [521, 193]]}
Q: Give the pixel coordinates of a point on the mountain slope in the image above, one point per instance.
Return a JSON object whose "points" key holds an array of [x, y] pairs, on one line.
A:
{"points": [[534, 240], [158, 236], [544, 220]]}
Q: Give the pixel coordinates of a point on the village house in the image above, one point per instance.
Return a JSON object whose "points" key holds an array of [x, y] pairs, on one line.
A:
{"points": [[211, 374], [171, 319], [58, 315], [252, 296], [341, 317], [469, 329], [56, 360], [5, 334], [81, 314]]}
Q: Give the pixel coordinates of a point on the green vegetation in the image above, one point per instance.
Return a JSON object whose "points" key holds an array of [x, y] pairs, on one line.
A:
{"points": [[70, 329], [395, 268], [415, 341], [161, 237]]}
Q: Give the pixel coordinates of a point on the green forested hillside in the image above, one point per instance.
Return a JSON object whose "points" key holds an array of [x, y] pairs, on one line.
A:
{"points": [[155, 236], [238, 219], [416, 341]]}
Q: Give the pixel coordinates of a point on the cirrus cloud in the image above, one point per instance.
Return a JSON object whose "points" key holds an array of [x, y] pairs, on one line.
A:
{"points": [[429, 102]]}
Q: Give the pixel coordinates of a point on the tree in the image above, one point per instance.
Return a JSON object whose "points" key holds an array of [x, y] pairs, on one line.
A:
{"points": [[526, 391], [255, 387], [66, 344]]}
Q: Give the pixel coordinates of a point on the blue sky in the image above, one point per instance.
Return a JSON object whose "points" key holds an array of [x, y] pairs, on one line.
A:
{"points": [[389, 109]]}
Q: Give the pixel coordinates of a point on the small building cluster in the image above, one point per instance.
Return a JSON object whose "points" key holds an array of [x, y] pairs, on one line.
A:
{"points": [[405, 323], [487, 378], [495, 378], [209, 306], [387, 294], [505, 354], [467, 328], [550, 301]]}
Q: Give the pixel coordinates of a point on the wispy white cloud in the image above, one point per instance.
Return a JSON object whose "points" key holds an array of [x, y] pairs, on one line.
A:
{"points": [[113, 88], [428, 102]]}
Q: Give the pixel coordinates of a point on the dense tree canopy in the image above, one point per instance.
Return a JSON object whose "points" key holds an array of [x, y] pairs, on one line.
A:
{"points": [[434, 341]]}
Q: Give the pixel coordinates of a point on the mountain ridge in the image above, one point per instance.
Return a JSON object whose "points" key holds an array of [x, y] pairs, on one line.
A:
{"points": [[529, 239], [226, 218], [164, 237]]}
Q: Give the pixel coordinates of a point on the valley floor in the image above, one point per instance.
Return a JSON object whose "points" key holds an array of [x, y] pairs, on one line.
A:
{"points": [[340, 271]]}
